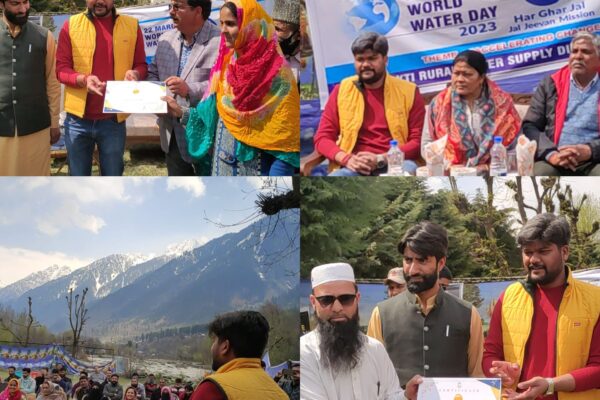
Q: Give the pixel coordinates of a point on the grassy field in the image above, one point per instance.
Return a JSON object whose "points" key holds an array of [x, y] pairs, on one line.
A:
{"points": [[140, 160]]}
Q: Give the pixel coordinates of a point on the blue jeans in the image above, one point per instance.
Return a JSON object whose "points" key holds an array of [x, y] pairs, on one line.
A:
{"points": [[409, 166], [81, 135], [272, 166]]}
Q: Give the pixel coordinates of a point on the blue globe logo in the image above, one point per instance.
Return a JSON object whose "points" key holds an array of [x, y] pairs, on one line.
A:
{"points": [[542, 2], [379, 16]]}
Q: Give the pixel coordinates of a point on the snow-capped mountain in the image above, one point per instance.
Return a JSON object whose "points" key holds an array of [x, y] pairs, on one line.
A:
{"points": [[238, 270], [101, 277], [178, 249], [188, 284], [31, 281]]}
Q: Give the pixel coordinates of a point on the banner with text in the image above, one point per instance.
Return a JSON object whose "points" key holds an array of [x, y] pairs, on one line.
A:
{"points": [[518, 37], [36, 357], [155, 20]]}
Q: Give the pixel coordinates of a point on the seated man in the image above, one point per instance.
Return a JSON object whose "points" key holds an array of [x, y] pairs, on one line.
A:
{"points": [[364, 112], [563, 115]]}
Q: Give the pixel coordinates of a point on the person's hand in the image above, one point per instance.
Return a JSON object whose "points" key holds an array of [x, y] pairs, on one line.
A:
{"points": [[95, 85], [358, 164], [132, 75], [582, 152], [177, 86], [566, 157], [54, 135], [412, 387], [173, 108], [368, 158], [533, 388], [508, 372]]}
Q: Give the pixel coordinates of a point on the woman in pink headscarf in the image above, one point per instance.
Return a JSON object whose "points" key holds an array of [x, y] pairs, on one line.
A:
{"points": [[12, 391]]}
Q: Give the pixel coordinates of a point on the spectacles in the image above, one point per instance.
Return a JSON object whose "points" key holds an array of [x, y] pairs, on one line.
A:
{"points": [[344, 299], [177, 7]]}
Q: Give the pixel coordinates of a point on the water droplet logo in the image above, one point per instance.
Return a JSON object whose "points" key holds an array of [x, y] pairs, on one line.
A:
{"points": [[542, 2], [379, 16]]}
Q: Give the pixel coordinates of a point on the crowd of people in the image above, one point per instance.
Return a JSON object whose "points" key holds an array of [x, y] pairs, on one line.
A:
{"points": [[368, 110], [239, 342], [232, 91], [543, 339]]}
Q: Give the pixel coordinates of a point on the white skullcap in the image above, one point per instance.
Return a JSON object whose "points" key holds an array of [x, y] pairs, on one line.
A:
{"points": [[331, 272]]}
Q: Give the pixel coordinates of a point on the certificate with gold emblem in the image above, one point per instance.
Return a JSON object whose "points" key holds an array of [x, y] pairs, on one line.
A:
{"points": [[460, 389], [135, 97]]}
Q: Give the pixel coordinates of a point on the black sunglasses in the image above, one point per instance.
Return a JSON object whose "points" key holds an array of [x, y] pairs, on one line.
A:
{"points": [[344, 299]]}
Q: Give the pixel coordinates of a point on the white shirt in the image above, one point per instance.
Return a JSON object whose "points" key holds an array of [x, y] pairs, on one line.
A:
{"points": [[374, 373]]}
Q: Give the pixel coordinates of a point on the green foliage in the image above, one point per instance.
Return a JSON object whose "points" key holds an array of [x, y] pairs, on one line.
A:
{"points": [[334, 214], [73, 6], [362, 221], [284, 334]]}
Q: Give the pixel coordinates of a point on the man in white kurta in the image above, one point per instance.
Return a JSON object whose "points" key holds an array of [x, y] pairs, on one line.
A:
{"points": [[338, 361], [374, 374]]}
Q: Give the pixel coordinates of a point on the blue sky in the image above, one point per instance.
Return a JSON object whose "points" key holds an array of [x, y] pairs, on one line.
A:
{"points": [[73, 221]]}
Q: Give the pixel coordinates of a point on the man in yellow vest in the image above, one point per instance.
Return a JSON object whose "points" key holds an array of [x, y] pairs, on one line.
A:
{"points": [[544, 335], [94, 47], [368, 110], [239, 341]]}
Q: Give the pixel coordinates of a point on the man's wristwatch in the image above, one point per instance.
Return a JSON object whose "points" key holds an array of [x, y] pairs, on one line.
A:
{"points": [[550, 389], [381, 161]]}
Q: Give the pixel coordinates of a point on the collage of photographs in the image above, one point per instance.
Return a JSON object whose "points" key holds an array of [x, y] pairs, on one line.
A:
{"points": [[299, 199]]}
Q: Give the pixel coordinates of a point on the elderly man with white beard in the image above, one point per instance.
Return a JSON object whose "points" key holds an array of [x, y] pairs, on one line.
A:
{"points": [[339, 362]]}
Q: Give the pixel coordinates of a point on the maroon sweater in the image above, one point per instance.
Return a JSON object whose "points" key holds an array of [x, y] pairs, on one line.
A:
{"points": [[103, 66], [540, 354], [207, 390], [374, 135]]}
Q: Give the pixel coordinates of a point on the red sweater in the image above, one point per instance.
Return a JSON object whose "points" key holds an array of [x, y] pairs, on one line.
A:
{"points": [[540, 352], [374, 135], [207, 390], [103, 66]]}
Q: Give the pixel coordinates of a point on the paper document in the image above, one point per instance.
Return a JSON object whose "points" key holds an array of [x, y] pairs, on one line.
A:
{"points": [[460, 389], [135, 97]]}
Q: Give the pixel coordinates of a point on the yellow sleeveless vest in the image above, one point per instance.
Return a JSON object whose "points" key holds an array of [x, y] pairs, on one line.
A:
{"points": [[577, 316], [83, 42], [398, 98], [244, 379]]}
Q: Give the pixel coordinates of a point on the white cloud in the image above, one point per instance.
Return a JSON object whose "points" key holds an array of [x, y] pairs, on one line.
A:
{"points": [[16, 263], [193, 185], [66, 216], [436, 184], [92, 190], [35, 183]]}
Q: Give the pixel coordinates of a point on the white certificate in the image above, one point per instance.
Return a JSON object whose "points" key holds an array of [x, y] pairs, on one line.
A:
{"points": [[135, 97], [460, 389]]}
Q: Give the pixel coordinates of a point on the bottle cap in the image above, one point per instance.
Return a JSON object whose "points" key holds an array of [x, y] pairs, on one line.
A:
{"points": [[393, 143], [497, 139]]}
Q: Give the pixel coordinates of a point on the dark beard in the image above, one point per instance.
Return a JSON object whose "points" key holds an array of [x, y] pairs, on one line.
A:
{"points": [[371, 80], [291, 45], [547, 278], [417, 287], [341, 343], [19, 20]]}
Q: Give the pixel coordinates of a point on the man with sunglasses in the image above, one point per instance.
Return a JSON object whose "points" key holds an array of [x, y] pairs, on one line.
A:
{"points": [[426, 330], [183, 60], [339, 362]]}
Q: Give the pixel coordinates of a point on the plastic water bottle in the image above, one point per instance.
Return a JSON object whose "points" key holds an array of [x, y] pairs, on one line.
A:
{"points": [[395, 160], [498, 156]]}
